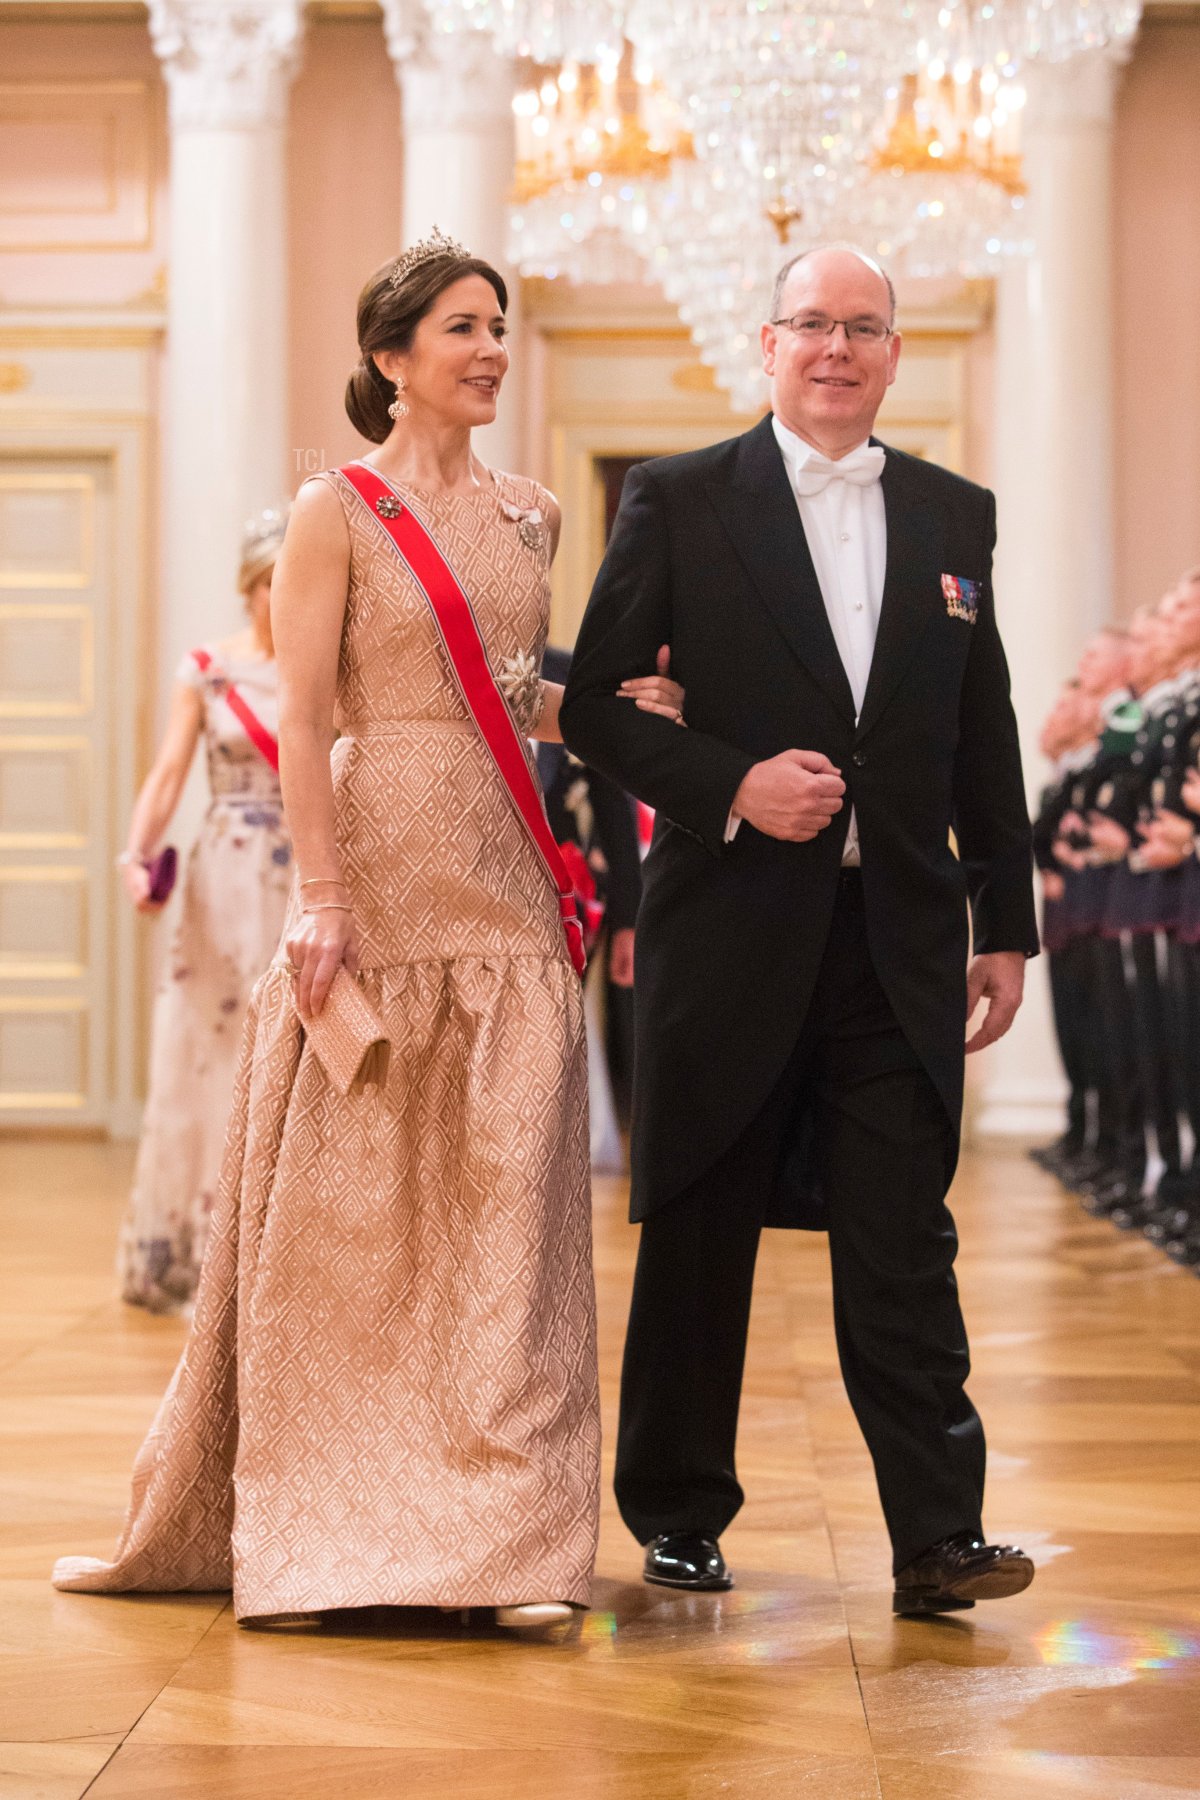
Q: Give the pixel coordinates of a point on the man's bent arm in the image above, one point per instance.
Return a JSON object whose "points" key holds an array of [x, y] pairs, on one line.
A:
{"points": [[990, 817], [687, 775]]}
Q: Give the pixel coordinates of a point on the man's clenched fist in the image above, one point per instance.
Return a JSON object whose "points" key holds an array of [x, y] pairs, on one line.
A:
{"points": [[792, 796]]}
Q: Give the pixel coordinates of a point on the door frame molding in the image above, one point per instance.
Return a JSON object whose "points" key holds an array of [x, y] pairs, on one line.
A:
{"points": [[126, 687]]}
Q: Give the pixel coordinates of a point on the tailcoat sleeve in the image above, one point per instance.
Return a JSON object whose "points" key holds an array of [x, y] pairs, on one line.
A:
{"points": [[688, 776], [990, 819], [1046, 823]]}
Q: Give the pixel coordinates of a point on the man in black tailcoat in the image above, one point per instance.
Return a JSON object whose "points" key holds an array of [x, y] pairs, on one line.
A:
{"points": [[802, 981]]}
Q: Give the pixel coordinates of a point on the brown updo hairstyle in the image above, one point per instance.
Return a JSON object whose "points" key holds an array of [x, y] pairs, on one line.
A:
{"points": [[387, 320]]}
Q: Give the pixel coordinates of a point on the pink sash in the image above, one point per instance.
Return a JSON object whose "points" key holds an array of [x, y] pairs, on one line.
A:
{"points": [[254, 728], [460, 635]]}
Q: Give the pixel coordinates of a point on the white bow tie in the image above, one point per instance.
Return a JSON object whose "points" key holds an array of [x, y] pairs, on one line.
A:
{"points": [[862, 467]]}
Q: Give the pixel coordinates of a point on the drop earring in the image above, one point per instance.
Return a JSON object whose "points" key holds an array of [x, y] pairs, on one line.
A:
{"points": [[399, 407]]}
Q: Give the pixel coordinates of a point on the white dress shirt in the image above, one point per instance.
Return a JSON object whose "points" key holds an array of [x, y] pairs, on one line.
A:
{"points": [[846, 528]]}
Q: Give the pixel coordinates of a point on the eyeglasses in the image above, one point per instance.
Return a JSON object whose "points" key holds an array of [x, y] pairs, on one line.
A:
{"points": [[819, 325]]}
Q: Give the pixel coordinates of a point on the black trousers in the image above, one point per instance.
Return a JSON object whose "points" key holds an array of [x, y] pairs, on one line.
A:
{"points": [[1153, 1043], [1182, 1006], [883, 1148], [1074, 1002], [1123, 1105]]}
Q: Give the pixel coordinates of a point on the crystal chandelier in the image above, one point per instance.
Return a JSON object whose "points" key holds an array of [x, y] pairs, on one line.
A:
{"points": [[945, 191], [940, 191], [1002, 34], [593, 143], [787, 125], [546, 31], [778, 96]]}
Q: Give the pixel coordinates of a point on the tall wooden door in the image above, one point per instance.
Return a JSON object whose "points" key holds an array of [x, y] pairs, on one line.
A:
{"points": [[56, 623]]}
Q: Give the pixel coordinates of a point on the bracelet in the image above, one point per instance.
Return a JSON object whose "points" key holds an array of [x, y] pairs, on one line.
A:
{"points": [[328, 906], [323, 881]]}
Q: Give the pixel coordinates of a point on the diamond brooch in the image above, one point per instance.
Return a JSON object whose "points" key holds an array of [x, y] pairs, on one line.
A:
{"points": [[528, 521], [521, 686], [388, 507]]}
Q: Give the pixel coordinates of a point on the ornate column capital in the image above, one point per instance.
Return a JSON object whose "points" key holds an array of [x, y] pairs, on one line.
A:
{"points": [[1080, 92], [227, 62], [406, 29], [450, 81]]}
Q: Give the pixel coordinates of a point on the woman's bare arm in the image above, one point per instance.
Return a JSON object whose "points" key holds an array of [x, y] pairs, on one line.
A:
{"points": [[308, 609], [159, 794]]}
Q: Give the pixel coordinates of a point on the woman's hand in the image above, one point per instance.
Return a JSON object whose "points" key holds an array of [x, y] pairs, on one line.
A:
{"points": [[657, 693], [136, 877], [318, 944]]}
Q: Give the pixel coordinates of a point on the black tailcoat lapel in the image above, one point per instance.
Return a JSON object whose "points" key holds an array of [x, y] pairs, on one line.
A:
{"points": [[759, 512], [912, 593]]}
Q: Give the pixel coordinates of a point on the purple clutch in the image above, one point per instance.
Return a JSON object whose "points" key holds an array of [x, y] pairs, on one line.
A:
{"points": [[162, 870]]}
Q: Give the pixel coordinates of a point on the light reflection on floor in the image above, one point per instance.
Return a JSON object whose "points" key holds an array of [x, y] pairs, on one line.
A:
{"points": [[745, 1617], [1073, 1641]]}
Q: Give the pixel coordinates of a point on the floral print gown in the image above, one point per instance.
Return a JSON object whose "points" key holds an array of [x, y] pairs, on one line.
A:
{"points": [[235, 893]]}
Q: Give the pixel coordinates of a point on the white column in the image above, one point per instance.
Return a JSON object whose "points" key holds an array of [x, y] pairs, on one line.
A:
{"points": [[1054, 480], [457, 120], [227, 67]]}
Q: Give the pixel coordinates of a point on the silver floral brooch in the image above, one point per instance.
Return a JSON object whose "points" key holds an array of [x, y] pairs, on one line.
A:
{"points": [[529, 522], [388, 507], [521, 686]]}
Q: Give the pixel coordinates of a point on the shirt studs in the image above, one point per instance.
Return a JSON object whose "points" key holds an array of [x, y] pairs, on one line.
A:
{"points": [[845, 537]]}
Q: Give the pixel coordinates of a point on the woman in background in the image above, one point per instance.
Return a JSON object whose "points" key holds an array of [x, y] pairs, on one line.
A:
{"points": [[234, 898]]}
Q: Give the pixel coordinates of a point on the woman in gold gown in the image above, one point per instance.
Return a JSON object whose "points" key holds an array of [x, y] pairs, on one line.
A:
{"points": [[389, 1394]]}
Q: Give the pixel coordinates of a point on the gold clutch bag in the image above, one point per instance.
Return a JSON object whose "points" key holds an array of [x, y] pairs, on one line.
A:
{"points": [[348, 1038]]}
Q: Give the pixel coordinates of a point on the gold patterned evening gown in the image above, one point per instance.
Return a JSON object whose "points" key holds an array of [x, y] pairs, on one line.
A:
{"points": [[389, 1394]]}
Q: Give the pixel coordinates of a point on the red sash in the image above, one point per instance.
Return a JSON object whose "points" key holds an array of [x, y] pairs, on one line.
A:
{"points": [[645, 826], [588, 904], [460, 635], [254, 728]]}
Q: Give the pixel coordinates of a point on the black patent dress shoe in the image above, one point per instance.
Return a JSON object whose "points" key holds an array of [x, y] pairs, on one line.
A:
{"points": [[686, 1559], [1082, 1172], [952, 1575], [1101, 1202], [1185, 1250], [1168, 1222]]}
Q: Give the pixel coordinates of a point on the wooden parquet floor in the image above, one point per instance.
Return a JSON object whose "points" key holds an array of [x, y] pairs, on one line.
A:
{"points": [[798, 1683]]}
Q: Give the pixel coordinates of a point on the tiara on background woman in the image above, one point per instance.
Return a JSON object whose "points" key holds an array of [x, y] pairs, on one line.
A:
{"points": [[262, 540], [425, 250]]}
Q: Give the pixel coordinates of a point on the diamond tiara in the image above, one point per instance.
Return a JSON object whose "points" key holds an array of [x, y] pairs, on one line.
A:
{"points": [[262, 540], [426, 250]]}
